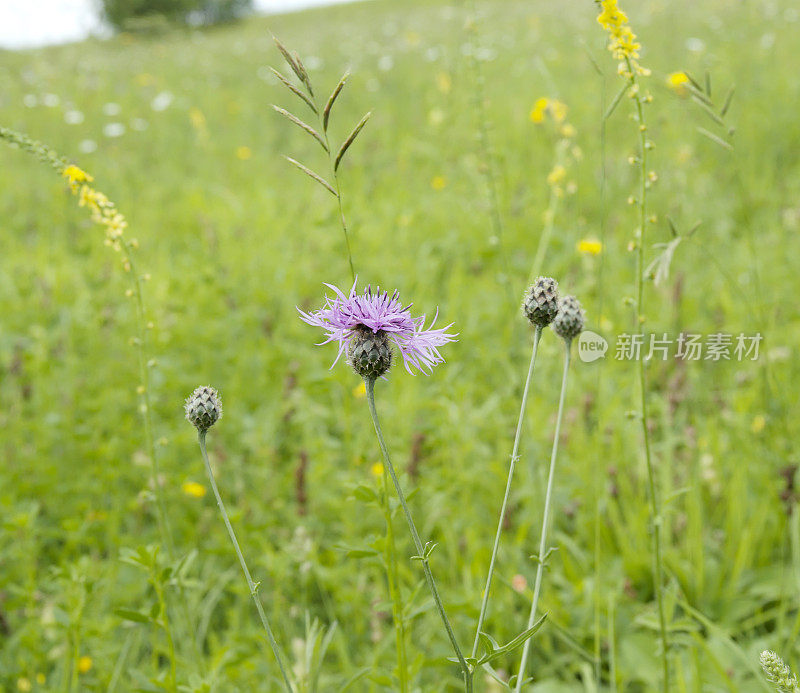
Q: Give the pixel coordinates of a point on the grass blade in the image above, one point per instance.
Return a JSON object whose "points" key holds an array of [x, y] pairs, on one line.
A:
{"points": [[325, 184], [612, 107], [350, 140], [328, 106], [305, 126], [294, 89]]}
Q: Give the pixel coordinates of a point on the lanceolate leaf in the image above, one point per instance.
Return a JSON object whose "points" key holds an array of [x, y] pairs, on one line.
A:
{"points": [[328, 106], [350, 141], [311, 131], [313, 175], [294, 89]]}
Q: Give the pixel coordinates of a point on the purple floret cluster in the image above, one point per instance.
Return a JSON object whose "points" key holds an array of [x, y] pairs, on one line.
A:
{"points": [[380, 312]]}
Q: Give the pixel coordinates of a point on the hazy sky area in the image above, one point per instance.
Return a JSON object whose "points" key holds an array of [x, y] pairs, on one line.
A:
{"points": [[30, 23]]}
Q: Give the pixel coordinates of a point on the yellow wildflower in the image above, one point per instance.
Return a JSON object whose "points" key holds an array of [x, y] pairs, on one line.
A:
{"points": [[439, 183], [360, 391], [677, 81], [590, 246], [622, 41], [759, 423], [243, 153], [568, 130], [377, 470], [76, 176], [84, 664], [558, 110], [41, 679], [193, 489], [24, 685], [539, 110], [556, 175], [443, 82]]}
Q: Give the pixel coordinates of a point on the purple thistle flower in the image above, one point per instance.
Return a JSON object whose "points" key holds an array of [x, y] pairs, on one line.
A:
{"points": [[347, 319]]}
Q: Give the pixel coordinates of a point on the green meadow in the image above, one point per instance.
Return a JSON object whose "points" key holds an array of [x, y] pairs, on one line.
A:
{"points": [[179, 131]]}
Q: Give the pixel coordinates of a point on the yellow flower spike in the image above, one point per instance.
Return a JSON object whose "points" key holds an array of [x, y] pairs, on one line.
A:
{"points": [[539, 110], [590, 246], [193, 489], [377, 470], [558, 109], [76, 175], [556, 175], [85, 664], [568, 131]]}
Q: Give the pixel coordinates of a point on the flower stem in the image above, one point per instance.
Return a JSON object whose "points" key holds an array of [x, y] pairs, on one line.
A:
{"points": [[390, 555], [546, 518], [201, 437], [370, 386], [655, 512], [514, 456]]}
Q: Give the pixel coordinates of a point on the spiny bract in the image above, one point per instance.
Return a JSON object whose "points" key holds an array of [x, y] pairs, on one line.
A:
{"points": [[540, 304], [203, 408], [569, 321]]}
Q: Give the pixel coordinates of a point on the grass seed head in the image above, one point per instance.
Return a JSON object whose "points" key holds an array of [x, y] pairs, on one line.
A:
{"points": [[203, 408]]}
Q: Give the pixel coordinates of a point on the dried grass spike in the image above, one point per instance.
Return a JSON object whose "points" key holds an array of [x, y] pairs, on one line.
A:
{"points": [[294, 89], [350, 140], [328, 106], [305, 126], [313, 175]]}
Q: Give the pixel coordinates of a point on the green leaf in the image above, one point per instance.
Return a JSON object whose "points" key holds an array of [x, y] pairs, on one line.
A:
{"points": [[512, 645], [131, 615]]}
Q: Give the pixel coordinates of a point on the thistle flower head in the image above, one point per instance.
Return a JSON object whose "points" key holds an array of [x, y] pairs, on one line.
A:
{"points": [[778, 673], [568, 324], [540, 304], [366, 324], [203, 408]]}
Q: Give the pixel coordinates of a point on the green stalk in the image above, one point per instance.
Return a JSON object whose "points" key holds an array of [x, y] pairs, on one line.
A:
{"points": [[421, 554], [201, 437], [394, 588], [546, 518], [655, 511], [514, 457]]}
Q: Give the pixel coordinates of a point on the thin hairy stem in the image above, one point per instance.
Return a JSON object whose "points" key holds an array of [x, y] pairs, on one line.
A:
{"points": [[514, 457], [542, 557], [201, 437], [655, 512], [422, 554], [393, 581]]}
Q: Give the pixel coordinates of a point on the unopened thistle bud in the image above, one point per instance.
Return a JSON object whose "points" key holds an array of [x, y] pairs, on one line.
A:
{"points": [[540, 304], [203, 408], [569, 321], [778, 673], [369, 353]]}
